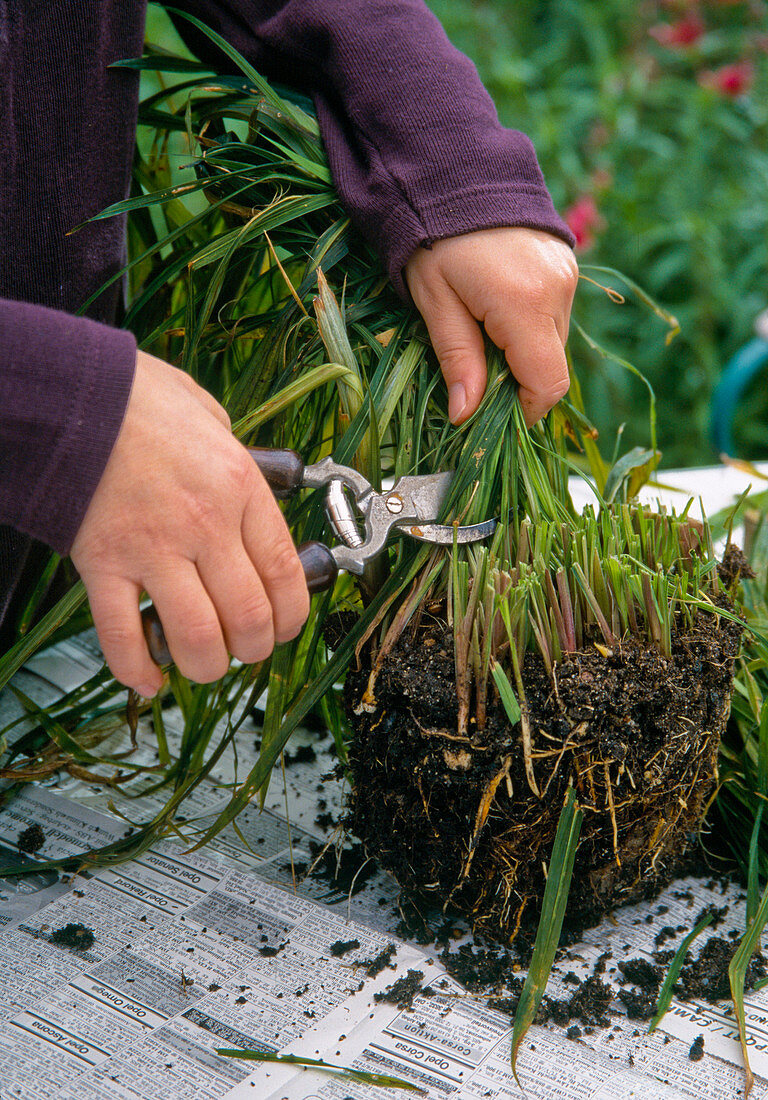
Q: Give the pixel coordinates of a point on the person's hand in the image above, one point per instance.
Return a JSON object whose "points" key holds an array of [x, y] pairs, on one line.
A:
{"points": [[183, 512], [519, 284]]}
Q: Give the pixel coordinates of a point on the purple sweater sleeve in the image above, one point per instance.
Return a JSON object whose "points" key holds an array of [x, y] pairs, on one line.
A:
{"points": [[414, 142], [75, 376]]}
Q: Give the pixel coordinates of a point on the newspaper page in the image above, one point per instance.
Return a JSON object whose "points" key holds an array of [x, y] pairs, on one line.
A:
{"points": [[190, 955]]}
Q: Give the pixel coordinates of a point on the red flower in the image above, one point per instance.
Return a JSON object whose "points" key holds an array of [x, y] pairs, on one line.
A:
{"points": [[730, 80], [685, 32], [583, 219]]}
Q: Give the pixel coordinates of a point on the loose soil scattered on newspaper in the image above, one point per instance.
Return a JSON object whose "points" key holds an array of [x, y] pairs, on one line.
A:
{"points": [[634, 982], [456, 820], [76, 936], [31, 839]]}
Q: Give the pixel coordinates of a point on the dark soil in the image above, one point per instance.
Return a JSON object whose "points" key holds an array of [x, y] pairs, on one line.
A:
{"points": [[76, 936], [639, 1005], [346, 870], [493, 974], [696, 1053], [706, 978], [480, 970], [640, 1002], [384, 958], [340, 947], [455, 819], [642, 973], [304, 754], [734, 567], [402, 992], [31, 840], [590, 1004]]}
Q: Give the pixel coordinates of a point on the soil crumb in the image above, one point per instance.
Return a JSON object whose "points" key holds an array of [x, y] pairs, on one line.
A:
{"points": [[696, 1053], [270, 952], [304, 754], [76, 936], [507, 1005], [342, 946], [402, 992], [642, 973], [31, 840], [375, 965], [639, 1005], [734, 567]]}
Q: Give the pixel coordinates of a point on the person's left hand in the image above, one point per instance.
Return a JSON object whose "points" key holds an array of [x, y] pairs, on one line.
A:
{"points": [[519, 284]]}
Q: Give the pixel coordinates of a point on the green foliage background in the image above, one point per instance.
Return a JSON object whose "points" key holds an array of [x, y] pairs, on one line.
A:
{"points": [[679, 175]]}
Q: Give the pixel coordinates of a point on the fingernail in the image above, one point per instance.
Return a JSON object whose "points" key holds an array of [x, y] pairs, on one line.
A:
{"points": [[147, 691], [457, 401]]}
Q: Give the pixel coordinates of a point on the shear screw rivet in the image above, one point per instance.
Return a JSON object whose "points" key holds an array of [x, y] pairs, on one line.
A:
{"points": [[394, 503]]}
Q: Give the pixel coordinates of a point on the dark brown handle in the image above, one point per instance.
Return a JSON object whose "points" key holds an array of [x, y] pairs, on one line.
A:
{"points": [[153, 632], [320, 570], [283, 470]]}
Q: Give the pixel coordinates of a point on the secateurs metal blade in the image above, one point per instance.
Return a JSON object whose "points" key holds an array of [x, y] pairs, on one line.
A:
{"points": [[362, 519], [410, 507]]}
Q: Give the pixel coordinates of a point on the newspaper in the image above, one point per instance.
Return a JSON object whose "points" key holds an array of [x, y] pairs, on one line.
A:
{"points": [[233, 947], [191, 953]]}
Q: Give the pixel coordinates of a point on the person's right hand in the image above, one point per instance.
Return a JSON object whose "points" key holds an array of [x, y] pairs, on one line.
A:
{"points": [[183, 512]]}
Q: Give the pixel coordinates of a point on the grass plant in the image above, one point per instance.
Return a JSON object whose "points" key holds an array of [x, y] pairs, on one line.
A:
{"points": [[245, 270]]}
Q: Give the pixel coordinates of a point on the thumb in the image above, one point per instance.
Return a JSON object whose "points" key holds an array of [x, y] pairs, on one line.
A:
{"points": [[458, 342]]}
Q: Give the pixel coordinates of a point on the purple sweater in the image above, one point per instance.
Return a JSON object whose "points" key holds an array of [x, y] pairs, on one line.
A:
{"points": [[414, 143]]}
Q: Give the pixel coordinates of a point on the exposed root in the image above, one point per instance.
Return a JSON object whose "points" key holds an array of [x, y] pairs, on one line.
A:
{"points": [[612, 809], [525, 733]]}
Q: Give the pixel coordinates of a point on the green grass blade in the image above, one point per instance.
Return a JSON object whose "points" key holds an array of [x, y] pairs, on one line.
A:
{"points": [[604, 353], [161, 64], [258, 81], [380, 1080], [288, 397], [12, 661], [281, 211], [636, 465], [506, 692], [550, 922], [642, 295], [665, 993], [736, 974], [753, 871]]}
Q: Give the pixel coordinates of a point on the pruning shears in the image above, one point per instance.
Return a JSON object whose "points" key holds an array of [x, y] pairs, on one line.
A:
{"points": [[361, 518]]}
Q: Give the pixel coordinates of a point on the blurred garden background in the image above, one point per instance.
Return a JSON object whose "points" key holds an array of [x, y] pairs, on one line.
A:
{"points": [[650, 121]]}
